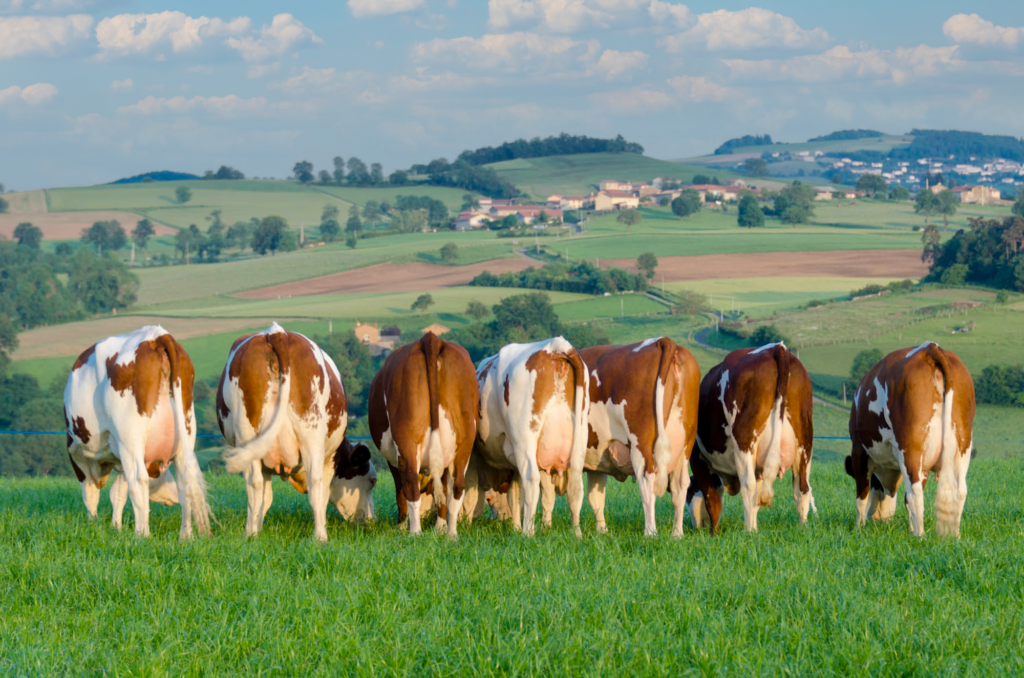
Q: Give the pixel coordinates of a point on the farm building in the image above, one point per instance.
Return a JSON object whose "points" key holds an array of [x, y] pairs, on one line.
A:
{"points": [[436, 328], [977, 195], [379, 341]]}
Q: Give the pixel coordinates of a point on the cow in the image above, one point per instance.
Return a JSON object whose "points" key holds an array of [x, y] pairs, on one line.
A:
{"points": [[486, 493], [128, 407], [423, 417], [642, 423], [913, 414], [755, 421], [281, 408], [533, 416]]}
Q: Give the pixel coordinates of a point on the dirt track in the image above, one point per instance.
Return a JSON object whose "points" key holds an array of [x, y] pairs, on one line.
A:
{"points": [[69, 225], [840, 264], [413, 277], [422, 277]]}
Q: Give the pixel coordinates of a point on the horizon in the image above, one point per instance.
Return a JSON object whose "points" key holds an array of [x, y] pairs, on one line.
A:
{"points": [[100, 90]]}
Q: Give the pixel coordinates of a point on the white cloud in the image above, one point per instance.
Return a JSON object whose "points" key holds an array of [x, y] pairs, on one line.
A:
{"points": [[262, 70], [568, 16], [972, 29], [139, 33], [508, 51], [746, 29], [30, 35], [283, 34], [365, 8], [698, 89], [613, 64], [840, 62], [33, 95], [227, 106], [119, 85]]}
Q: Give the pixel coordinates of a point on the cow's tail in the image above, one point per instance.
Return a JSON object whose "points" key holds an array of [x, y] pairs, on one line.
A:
{"points": [[581, 401], [237, 459], [431, 347], [662, 444], [947, 496], [191, 485], [773, 460]]}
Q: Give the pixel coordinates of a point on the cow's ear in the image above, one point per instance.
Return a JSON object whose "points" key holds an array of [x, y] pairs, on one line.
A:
{"points": [[849, 466], [360, 455]]}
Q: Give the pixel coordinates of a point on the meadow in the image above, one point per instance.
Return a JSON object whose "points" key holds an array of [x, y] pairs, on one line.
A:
{"points": [[823, 598]]}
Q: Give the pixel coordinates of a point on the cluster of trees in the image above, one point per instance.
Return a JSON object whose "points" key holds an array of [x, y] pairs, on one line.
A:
{"points": [[794, 204], [743, 141], [461, 174], [1001, 385], [687, 204], [563, 144], [3, 203], [948, 144], [848, 134], [353, 173], [582, 277], [990, 252], [224, 172], [435, 210], [521, 318], [703, 179], [944, 203]]}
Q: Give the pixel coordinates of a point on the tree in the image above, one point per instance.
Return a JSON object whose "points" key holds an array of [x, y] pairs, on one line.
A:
{"points": [[469, 202], [303, 171], [330, 229], [325, 178], [955, 275], [183, 194], [756, 166], [357, 174], [398, 178], [450, 252], [142, 232], [872, 184], [947, 206], [701, 179], [647, 262], [354, 224], [339, 170], [863, 362], [1018, 206], [105, 235], [268, 235], [899, 193], [351, 240], [101, 284], [629, 218], [376, 174], [238, 235], [422, 303], [28, 235], [687, 204], [931, 239], [795, 214], [371, 211], [3, 206], [476, 310], [750, 213], [926, 204], [767, 334]]}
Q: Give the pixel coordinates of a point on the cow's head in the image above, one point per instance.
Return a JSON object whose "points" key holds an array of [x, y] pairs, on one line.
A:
{"points": [[353, 482]]}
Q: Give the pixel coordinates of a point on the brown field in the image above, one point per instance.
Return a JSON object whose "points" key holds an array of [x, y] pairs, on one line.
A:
{"points": [[69, 225], [413, 277], [71, 338], [842, 264]]}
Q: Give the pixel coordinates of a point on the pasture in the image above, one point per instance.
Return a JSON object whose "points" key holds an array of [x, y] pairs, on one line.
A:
{"points": [[824, 598]]}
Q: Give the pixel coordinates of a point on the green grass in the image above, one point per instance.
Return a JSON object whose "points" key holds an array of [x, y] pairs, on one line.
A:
{"points": [[757, 297], [885, 143], [610, 307], [824, 599]]}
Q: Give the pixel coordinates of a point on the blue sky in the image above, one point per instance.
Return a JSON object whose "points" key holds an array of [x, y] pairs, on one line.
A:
{"points": [[94, 90]]}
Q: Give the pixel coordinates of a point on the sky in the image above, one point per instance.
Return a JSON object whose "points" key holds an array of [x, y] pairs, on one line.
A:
{"points": [[95, 90]]}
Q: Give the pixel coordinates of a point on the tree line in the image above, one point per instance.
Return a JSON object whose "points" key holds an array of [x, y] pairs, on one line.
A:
{"points": [[743, 141], [563, 144], [989, 252], [581, 277]]}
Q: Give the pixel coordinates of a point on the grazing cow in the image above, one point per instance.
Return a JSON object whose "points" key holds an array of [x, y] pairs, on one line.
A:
{"points": [[282, 410], [486, 489], [128, 407], [533, 409], [423, 411], [913, 414], [755, 421], [642, 423]]}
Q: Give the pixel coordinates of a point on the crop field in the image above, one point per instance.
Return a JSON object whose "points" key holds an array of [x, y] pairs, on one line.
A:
{"points": [[824, 598]]}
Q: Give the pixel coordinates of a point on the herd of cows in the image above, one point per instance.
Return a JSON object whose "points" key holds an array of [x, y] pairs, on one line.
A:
{"points": [[519, 429]]}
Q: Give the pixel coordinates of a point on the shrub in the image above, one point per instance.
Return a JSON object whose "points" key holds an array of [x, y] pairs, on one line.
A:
{"points": [[767, 334], [863, 362]]}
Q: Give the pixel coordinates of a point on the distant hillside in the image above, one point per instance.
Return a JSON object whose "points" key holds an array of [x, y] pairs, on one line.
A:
{"points": [[163, 175], [732, 145], [930, 143], [563, 144], [845, 134]]}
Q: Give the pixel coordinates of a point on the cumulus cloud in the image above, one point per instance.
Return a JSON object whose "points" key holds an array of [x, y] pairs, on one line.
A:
{"points": [[972, 29], [227, 106], [750, 28], [283, 34], [34, 35], [127, 34], [840, 62], [119, 85], [365, 8], [613, 65], [508, 51], [568, 16], [33, 95]]}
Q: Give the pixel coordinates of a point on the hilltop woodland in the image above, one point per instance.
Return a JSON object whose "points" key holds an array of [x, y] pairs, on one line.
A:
{"points": [[563, 144]]}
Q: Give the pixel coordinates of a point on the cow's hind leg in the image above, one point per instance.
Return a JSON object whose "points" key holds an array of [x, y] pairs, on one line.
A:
{"points": [[515, 501], [596, 486], [679, 483], [255, 494], [914, 497], [802, 496], [646, 482], [316, 482], [745, 467], [547, 498], [530, 475], [705, 494], [118, 498], [137, 479]]}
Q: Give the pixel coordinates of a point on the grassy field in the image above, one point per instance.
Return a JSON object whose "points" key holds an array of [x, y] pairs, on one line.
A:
{"points": [[825, 598], [758, 297], [885, 143]]}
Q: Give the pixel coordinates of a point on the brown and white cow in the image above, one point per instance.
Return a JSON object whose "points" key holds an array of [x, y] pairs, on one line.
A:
{"points": [[913, 414], [423, 418], [486, 493], [282, 410], [533, 416], [128, 407], [755, 422], [642, 423]]}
